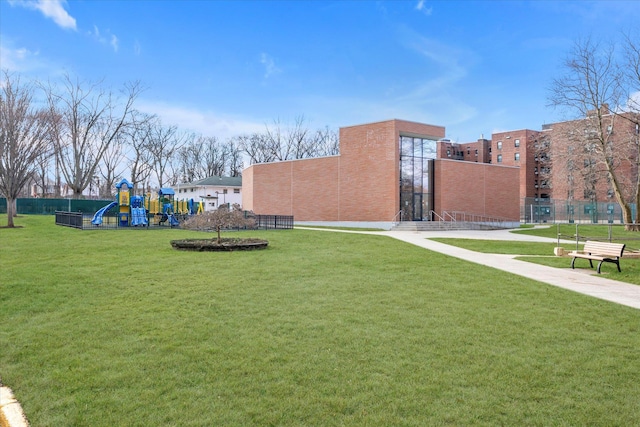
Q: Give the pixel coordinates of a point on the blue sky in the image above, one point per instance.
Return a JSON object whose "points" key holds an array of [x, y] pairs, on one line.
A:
{"points": [[222, 68]]}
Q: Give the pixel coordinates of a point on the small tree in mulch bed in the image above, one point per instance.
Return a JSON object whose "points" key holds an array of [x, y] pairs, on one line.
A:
{"points": [[222, 218]]}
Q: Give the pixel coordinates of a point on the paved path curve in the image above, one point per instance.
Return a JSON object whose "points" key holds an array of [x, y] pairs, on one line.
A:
{"points": [[580, 280]]}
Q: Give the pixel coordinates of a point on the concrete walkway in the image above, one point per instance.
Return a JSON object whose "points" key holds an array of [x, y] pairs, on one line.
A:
{"points": [[583, 280]]}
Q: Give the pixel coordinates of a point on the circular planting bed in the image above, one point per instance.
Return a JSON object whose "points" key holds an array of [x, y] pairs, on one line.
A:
{"points": [[224, 245]]}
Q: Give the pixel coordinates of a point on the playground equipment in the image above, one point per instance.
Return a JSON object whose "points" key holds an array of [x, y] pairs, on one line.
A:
{"points": [[131, 211], [134, 211], [166, 199]]}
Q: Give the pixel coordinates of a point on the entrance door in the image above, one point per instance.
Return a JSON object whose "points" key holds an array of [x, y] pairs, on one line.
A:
{"points": [[417, 207]]}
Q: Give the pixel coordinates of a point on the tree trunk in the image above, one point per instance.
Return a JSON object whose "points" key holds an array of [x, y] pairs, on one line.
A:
{"points": [[10, 212], [637, 222]]}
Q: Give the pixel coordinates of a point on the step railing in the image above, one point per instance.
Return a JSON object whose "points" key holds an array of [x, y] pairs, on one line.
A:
{"points": [[397, 219], [479, 221]]}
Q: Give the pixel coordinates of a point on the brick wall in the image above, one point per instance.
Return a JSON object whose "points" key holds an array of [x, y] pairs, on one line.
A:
{"points": [[361, 184], [477, 188]]}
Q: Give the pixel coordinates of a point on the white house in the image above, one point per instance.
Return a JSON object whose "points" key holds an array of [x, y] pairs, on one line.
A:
{"points": [[212, 192]]}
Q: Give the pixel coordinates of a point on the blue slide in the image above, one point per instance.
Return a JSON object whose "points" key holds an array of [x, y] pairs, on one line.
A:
{"points": [[138, 217], [97, 218]]}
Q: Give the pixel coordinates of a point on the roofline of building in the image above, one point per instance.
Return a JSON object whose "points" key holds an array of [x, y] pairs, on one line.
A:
{"points": [[293, 160], [392, 120]]}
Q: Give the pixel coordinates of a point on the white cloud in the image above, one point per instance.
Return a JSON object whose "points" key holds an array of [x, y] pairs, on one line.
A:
{"points": [[53, 9], [269, 64], [422, 8], [18, 59], [205, 122], [633, 103], [114, 42], [109, 39]]}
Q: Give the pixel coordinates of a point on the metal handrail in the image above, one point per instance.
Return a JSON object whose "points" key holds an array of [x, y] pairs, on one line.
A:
{"points": [[476, 218], [434, 213], [395, 217], [445, 214]]}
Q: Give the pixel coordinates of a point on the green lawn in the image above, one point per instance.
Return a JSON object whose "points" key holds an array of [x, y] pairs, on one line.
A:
{"points": [[586, 231], [115, 328]]}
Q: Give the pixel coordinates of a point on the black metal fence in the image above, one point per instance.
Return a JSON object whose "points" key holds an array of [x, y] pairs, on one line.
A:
{"points": [[111, 220], [274, 222], [69, 219]]}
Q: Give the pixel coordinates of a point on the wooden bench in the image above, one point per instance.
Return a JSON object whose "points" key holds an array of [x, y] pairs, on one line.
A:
{"points": [[599, 251]]}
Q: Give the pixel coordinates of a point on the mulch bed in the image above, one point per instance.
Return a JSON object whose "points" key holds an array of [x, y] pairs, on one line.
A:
{"points": [[225, 245]]}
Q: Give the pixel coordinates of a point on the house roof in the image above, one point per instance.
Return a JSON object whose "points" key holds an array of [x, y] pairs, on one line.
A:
{"points": [[226, 181]]}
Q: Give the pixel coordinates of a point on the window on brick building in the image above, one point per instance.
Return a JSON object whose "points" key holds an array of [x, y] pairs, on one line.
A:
{"points": [[516, 143], [499, 145], [516, 157], [448, 153], [499, 158]]}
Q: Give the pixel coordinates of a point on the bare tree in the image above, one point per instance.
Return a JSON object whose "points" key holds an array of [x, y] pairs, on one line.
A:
{"points": [[206, 156], [325, 142], [111, 167], [137, 140], [88, 121], [632, 75], [222, 218], [200, 158], [256, 147], [24, 132], [288, 142], [163, 145], [41, 176], [234, 158], [593, 81]]}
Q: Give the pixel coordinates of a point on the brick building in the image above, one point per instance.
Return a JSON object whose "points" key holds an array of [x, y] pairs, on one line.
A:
{"points": [[576, 170], [560, 167], [386, 171], [479, 151]]}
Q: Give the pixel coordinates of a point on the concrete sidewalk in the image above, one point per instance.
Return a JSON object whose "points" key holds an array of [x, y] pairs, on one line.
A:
{"points": [[585, 281]]}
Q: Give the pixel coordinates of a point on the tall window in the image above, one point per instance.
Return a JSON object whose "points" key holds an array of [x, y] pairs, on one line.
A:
{"points": [[516, 157], [516, 143], [415, 183], [499, 158], [499, 145]]}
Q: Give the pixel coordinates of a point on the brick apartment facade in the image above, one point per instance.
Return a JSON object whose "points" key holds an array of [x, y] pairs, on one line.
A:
{"points": [[479, 151], [558, 162], [518, 148], [362, 183], [576, 173]]}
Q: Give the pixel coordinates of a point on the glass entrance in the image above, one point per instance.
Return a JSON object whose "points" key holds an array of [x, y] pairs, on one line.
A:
{"points": [[416, 177], [417, 207]]}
